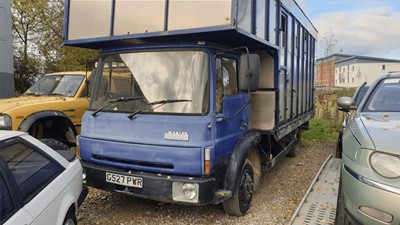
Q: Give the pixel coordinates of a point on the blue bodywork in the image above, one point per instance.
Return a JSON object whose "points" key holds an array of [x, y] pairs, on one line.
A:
{"points": [[112, 139]]}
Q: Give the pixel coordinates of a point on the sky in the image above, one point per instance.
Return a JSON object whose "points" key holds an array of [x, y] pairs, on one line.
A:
{"points": [[360, 27]]}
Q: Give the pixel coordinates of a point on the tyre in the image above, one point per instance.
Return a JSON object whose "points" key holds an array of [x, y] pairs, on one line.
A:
{"points": [[339, 148], [54, 144], [341, 217], [239, 203], [338, 153], [70, 218], [295, 148]]}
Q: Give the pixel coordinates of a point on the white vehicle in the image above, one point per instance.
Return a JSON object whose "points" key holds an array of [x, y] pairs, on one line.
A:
{"points": [[38, 185]]}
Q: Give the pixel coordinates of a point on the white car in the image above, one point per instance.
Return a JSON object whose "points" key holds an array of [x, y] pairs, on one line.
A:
{"points": [[38, 185]]}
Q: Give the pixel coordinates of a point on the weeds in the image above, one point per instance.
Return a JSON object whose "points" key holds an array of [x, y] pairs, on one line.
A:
{"points": [[321, 130]]}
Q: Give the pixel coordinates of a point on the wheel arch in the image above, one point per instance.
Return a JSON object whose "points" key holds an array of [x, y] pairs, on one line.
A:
{"points": [[61, 119], [67, 203], [240, 152]]}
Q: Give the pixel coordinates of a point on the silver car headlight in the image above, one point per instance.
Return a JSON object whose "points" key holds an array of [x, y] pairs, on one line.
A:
{"points": [[5, 122], [385, 165]]}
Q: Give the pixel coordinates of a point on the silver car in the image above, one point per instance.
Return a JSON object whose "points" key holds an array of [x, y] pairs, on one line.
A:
{"points": [[370, 173]]}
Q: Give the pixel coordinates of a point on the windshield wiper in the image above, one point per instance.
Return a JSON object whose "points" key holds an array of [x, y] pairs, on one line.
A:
{"points": [[162, 102], [122, 99], [55, 94], [32, 94]]}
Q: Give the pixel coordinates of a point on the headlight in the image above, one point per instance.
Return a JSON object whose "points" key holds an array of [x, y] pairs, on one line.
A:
{"points": [[386, 165], [83, 176], [189, 190], [5, 122], [185, 192]]}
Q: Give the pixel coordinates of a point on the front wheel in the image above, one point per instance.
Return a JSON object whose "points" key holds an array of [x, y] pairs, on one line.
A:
{"points": [[239, 203], [339, 148], [70, 218], [341, 216]]}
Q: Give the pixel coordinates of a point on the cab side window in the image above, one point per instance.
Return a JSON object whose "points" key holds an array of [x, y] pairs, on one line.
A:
{"points": [[226, 77], [31, 170]]}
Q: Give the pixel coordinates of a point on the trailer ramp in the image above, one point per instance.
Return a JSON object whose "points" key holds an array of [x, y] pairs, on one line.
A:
{"points": [[318, 206]]}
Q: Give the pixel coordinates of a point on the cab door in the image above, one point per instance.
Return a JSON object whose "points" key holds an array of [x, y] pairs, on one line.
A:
{"points": [[231, 121]]}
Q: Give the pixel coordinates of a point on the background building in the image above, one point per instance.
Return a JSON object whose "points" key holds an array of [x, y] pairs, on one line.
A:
{"points": [[353, 71], [341, 70], [6, 52], [325, 67]]}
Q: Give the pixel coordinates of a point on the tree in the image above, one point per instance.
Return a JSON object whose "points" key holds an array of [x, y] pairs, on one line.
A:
{"points": [[58, 57], [38, 42], [329, 42], [25, 22]]}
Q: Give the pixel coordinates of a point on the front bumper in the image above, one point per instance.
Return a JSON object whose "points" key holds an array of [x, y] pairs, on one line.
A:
{"points": [[155, 186], [360, 191]]}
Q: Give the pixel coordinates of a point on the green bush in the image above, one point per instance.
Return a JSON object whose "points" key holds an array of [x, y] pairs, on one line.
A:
{"points": [[321, 130]]}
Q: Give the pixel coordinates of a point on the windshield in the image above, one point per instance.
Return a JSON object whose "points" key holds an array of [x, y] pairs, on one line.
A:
{"points": [[385, 97], [65, 85], [181, 77]]}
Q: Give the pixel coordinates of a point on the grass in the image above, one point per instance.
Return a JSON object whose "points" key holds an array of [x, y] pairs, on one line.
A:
{"points": [[321, 130]]}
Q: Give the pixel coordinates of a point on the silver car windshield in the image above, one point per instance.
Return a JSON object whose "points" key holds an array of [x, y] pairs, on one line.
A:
{"points": [[141, 79], [63, 85], [385, 97]]}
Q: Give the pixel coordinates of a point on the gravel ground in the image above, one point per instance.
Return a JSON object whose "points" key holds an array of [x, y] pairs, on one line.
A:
{"points": [[280, 191]]}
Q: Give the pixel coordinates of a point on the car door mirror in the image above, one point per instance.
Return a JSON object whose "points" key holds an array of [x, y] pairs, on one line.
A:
{"points": [[345, 104]]}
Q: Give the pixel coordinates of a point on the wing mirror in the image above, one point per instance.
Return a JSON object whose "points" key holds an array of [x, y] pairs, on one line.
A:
{"points": [[345, 104], [249, 72]]}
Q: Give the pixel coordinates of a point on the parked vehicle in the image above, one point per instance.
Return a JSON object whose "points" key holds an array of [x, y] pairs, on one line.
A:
{"points": [[51, 110], [188, 108], [370, 173], [38, 185], [357, 97]]}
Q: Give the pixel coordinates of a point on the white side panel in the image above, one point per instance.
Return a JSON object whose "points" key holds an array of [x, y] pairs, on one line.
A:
{"points": [[266, 71], [260, 19], [133, 16], [244, 15], [89, 19], [198, 14], [263, 110]]}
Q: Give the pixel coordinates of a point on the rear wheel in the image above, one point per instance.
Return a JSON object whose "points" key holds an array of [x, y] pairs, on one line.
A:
{"points": [[295, 148], [54, 144], [239, 203]]}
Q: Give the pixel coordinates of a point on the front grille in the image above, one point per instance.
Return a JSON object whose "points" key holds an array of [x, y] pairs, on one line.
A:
{"points": [[133, 162]]}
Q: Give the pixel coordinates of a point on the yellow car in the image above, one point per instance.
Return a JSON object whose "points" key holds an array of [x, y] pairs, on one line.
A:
{"points": [[50, 110]]}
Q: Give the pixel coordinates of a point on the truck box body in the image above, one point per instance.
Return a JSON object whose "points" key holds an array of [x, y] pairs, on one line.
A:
{"points": [[199, 115]]}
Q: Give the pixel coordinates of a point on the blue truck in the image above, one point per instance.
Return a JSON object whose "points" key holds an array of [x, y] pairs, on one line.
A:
{"points": [[192, 100]]}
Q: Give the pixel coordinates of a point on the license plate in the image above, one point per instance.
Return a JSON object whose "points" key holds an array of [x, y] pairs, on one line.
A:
{"points": [[124, 180]]}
